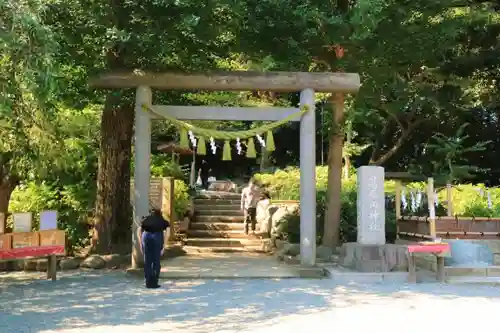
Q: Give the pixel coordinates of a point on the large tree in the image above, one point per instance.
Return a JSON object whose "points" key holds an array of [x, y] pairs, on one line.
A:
{"points": [[119, 35], [27, 138]]}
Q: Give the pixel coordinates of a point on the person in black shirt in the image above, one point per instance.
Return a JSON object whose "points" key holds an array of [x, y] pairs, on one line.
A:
{"points": [[152, 241], [203, 174]]}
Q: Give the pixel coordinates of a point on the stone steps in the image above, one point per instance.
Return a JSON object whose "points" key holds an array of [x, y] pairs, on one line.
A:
{"points": [[218, 219], [220, 207], [223, 249], [217, 201], [217, 212], [218, 195], [215, 226], [222, 242], [236, 234]]}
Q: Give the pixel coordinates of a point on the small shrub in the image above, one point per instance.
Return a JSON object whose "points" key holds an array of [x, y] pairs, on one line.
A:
{"points": [[182, 198], [163, 166]]}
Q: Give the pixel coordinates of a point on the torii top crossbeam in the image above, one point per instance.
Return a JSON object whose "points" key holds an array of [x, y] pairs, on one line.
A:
{"points": [[232, 81]]}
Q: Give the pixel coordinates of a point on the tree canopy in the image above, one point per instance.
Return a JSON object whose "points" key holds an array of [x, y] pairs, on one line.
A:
{"points": [[427, 67]]}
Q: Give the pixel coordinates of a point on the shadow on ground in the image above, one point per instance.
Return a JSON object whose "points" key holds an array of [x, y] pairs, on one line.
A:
{"points": [[80, 301]]}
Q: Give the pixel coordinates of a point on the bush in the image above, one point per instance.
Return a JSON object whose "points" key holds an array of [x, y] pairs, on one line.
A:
{"points": [[163, 166], [285, 185], [182, 198], [472, 200]]}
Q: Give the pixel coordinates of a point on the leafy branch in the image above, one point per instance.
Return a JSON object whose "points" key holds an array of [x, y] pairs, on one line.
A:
{"points": [[449, 155]]}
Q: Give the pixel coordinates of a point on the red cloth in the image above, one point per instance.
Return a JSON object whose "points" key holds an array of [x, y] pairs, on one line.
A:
{"points": [[26, 252], [429, 248]]}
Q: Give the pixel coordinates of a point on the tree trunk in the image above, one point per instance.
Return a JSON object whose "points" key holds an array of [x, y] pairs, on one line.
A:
{"points": [[6, 189], [331, 236], [347, 158], [113, 211], [347, 166], [264, 157]]}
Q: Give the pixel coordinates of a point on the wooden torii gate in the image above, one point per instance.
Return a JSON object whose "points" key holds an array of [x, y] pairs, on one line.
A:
{"points": [[306, 83]]}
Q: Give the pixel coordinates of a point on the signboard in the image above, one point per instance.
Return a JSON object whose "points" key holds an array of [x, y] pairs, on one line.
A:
{"points": [[25, 239], [48, 220], [22, 222], [5, 242], [52, 237]]}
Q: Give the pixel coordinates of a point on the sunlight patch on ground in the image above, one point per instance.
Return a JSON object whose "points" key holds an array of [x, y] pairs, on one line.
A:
{"points": [[111, 302]]}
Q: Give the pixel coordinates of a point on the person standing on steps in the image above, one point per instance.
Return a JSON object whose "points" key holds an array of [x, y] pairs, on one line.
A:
{"points": [[250, 196], [203, 173], [152, 244]]}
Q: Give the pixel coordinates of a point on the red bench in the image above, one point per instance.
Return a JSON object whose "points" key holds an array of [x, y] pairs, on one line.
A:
{"points": [[30, 245], [438, 249]]}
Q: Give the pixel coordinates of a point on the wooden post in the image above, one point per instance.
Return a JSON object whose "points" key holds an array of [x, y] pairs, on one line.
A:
{"points": [[449, 200], [167, 198], [52, 267], [440, 273], [192, 175], [430, 204], [3, 219], [398, 206], [412, 268]]}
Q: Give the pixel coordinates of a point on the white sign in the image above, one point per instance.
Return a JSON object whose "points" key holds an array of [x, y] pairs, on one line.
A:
{"points": [[371, 206], [22, 222], [48, 220]]}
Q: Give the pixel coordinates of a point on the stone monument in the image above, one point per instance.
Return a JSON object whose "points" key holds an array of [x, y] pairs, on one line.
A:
{"points": [[371, 206], [370, 253]]}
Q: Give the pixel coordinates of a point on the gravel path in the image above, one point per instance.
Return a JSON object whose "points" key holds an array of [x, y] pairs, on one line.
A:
{"points": [[106, 301]]}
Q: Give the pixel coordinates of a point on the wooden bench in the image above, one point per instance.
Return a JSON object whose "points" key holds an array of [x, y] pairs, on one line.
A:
{"points": [[33, 245], [438, 249]]}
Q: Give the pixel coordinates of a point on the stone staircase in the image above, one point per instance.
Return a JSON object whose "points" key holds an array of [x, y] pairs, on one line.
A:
{"points": [[217, 225]]}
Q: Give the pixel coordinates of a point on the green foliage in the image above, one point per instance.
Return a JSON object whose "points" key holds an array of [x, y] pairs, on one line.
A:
{"points": [[449, 155], [72, 202], [70, 188], [285, 185], [468, 200], [388, 42], [472, 200], [182, 197], [27, 84], [163, 166]]}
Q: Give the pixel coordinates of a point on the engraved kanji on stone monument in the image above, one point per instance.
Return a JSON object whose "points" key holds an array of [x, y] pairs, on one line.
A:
{"points": [[371, 205]]}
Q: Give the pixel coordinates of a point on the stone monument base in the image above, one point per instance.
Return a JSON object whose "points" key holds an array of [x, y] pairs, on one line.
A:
{"points": [[374, 258]]}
